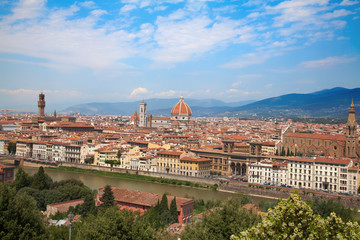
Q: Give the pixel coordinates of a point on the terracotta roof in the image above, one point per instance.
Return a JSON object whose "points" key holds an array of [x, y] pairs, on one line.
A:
{"points": [[190, 159], [317, 136], [144, 198], [170, 153], [343, 161]]}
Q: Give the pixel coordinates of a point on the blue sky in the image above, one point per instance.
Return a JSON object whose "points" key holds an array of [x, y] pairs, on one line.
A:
{"points": [[110, 51]]}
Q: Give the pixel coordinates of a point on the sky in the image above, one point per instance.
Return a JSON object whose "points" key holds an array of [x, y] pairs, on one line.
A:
{"points": [[128, 50]]}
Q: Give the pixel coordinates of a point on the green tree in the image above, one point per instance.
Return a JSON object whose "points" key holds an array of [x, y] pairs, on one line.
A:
{"points": [[221, 222], [88, 207], [164, 209], [22, 179], [245, 199], [294, 219], [11, 147], [41, 180], [325, 208], [118, 154], [116, 224], [19, 216], [89, 160], [173, 212], [107, 198]]}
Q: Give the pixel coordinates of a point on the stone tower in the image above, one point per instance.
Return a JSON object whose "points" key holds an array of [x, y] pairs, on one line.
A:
{"points": [[142, 122], [41, 105], [351, 127]]}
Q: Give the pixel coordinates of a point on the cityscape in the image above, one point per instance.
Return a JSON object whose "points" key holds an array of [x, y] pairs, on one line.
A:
{"points": [[180, 120]]}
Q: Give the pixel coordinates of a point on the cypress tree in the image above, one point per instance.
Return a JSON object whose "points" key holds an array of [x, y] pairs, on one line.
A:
{"points": [[173, 212], [41, 180], [107, 198]]}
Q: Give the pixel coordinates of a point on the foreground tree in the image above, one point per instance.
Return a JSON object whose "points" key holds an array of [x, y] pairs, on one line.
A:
{"points": [[325, 207], [22, 179], [19, 216], [115, 224], [221, 222], [173, 212], [107, 198], [294, 219], [41, 180]]}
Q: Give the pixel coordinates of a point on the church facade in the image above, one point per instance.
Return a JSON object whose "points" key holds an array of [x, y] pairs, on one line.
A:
{"points": [[346, 145], [181, 115]]}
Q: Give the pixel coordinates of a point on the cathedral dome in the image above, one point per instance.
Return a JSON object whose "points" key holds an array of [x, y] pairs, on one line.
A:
{"points": [[181, 109], [135, 116]]}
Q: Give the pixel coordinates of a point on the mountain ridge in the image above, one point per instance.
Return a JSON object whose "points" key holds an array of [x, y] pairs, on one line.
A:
{"points": [[332, 102]]}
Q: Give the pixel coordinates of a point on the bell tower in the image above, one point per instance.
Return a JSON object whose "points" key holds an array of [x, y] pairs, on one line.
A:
{"points": [[142, 114], [351, 127], [41, 104]]}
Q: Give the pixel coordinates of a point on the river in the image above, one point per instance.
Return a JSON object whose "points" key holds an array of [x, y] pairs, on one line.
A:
{"points": [[96, 181]]}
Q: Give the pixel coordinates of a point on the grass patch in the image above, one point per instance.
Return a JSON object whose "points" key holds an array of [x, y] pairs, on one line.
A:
{"points": [[135, 177]]}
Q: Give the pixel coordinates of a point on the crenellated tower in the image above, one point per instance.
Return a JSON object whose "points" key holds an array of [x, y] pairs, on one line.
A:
{"points": [[41, 105], [351, 127]]}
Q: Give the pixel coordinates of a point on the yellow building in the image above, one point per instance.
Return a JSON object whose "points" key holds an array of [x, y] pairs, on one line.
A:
{"points": [[181, 163], [168, 161], [195, 167], [103, 154]]}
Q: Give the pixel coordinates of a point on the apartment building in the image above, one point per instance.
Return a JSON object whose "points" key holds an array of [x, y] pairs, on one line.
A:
{"points": [[338, 175], [168, 162], [195, 167]]}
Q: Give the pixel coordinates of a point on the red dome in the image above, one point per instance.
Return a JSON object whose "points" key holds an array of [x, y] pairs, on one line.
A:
{"points": [[181, 108], [135, 116]]}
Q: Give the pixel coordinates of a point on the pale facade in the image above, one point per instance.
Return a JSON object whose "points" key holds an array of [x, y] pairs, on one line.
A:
{"points": [[39, 150]]}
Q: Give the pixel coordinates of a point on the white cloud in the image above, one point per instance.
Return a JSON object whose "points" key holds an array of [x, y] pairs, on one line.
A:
{"points": [[128, 8], [327, 62], [68, 42], [138, 91], [27, 9], [232, 90], [179, 41], [88, 4], [348, 3]]}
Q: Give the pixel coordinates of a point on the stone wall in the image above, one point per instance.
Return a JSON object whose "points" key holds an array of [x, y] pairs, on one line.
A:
{"points": [[283, 193]]}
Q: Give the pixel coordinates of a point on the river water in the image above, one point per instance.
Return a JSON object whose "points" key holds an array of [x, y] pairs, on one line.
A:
{"points": [[96, 182]]}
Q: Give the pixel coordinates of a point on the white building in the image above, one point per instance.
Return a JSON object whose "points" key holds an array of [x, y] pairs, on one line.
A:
{"points": [[58, 152], [260, 172], [338, 175], [39, 150]]}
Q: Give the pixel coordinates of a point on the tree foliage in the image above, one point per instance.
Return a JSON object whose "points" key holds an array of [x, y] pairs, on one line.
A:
{"points": [[325, 208], [116, 224], [294, 219], [45, 191], [41, 180], [173, 213], [19, 216], [11, 147], [22, 179], [221, 222], [107, 198]]}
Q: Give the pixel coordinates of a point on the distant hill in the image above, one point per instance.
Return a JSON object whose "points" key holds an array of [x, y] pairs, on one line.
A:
{"points": [[333, 102], [155, 106]]}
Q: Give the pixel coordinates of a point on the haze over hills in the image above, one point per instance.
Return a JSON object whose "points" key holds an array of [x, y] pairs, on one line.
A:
{"points": [[333, 102], [155, 106]]}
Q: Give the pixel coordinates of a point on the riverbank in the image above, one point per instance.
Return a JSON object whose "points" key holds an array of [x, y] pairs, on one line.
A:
{"points": [[255, 190], [135, 177]]}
